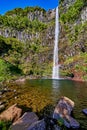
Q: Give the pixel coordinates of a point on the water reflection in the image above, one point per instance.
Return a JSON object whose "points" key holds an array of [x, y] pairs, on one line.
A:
{"points": [[55, 84]]}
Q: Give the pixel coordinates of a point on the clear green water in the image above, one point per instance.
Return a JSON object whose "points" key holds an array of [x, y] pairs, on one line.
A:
{"points": [[40, 95]]}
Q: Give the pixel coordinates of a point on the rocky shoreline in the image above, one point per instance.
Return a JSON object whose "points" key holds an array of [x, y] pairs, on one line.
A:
{"points": [[59, 119]]}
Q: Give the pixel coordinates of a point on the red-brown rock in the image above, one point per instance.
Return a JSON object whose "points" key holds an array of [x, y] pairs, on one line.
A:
{"points": [[13, 113]]}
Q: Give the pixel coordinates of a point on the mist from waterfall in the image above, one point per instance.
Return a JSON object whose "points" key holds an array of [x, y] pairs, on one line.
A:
{"points": [[55, 72]]}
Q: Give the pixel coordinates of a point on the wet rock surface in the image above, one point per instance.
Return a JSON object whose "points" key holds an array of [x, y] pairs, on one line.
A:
{"points": [[25, 121], [39, 125], [30, 121], [11, 114], [63, 111]]}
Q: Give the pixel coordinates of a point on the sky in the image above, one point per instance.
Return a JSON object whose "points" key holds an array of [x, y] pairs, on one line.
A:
{"points": [[6, 5]]}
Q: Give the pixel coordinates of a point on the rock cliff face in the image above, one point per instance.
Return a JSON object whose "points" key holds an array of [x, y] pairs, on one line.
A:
{"points": [[34, 27], [26, 35], [84, 14], [73, 38]]}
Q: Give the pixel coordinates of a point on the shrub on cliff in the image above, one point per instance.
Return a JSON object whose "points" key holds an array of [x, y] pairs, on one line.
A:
{"points": [[73, 12]]}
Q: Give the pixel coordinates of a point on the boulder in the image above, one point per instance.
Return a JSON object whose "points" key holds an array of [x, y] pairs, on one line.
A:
{"points": [[71, 123], [51, 124], [64, 107], [11, 114], [63, 111], [24, 122], [44, 124], [38, 125]]}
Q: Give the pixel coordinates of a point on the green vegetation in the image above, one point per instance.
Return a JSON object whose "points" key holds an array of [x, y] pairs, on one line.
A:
{"points": [[76, 33], [27, 56], [9, 46], [25, 11], [74, 46], [18, 59], [21, 23], [3, 46], [10, 53], [73, 12], [8, 71], [5, 125], [79, 66], [18, 19], [32, 56]]}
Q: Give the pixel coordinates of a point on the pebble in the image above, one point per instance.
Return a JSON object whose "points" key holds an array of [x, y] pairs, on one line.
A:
{"points": [[15, 97], [14, 90], [1, 103], [2, 107], [1, 92]]}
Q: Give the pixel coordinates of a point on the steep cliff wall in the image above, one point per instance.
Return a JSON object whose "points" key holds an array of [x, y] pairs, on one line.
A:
{"points": [[73, 38], [33, 28], [28, 35]]}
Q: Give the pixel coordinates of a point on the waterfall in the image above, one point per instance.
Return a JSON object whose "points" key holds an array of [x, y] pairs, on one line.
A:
{"points": [[55, 72]]}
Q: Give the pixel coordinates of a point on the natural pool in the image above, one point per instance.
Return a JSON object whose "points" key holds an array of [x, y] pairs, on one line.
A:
{"points": [[42, 94]]}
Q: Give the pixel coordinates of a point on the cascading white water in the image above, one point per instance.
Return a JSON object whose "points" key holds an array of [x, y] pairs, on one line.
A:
{"points": [[55, 73]]}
